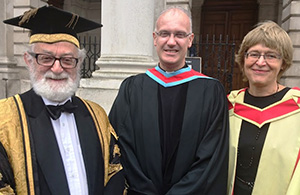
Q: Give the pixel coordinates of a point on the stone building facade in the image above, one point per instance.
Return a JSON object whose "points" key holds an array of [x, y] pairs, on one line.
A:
{"points": [[126, 40]]}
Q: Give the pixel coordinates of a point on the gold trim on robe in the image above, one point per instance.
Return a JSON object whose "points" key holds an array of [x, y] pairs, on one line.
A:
{"points": [[14, 137], [101, 120]]}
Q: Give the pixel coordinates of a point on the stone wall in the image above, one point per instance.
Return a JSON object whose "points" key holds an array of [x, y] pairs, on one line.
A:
{"points": [[290, 22]]}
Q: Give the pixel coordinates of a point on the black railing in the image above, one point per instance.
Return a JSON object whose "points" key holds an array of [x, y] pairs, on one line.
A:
{"points": [[92, 47], [217, 57]]}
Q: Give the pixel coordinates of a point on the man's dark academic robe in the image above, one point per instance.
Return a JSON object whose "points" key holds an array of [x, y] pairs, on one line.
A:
{"points": [[48, 170], [197, 161]]}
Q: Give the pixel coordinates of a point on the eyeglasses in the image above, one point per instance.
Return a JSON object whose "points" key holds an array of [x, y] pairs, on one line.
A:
{"points": [[268, 57], [167, 34], [48, 60]]}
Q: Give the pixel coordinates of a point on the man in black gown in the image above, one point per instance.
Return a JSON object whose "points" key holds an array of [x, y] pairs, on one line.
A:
{"points": [[172, 121]]}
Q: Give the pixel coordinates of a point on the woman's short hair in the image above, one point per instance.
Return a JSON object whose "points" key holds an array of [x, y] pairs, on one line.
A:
{"points": [[271, 35]]}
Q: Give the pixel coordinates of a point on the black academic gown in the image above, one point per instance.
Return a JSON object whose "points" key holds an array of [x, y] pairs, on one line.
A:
{"points": [[202, 154]]}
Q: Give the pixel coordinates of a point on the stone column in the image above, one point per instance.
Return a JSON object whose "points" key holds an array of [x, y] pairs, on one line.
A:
{"points": [[13, 73], [186, 4], [126, 48], [7, 64], [290, 22], [126, 41]]}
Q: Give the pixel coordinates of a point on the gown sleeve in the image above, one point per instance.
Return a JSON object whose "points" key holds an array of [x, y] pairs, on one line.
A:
{"points": [[7, 182], [208, 173], [121, 121], [116, 183], [294, 187]]}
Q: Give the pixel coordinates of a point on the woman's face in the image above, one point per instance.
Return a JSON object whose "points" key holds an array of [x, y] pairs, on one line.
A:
{"points": [[262, 66]]}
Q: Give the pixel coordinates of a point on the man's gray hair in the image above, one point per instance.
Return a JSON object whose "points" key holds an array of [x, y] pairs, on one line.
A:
{"points": [[176, 8]]}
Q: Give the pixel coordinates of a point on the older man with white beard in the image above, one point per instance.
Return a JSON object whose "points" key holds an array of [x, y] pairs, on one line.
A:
{"points": [[52, 142]]}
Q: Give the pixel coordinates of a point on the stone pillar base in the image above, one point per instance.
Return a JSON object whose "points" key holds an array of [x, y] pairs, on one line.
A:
{"points": [[120, 67]]}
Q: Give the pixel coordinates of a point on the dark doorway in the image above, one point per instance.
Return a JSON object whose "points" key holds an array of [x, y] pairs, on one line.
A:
{"points": [[229, 20]]}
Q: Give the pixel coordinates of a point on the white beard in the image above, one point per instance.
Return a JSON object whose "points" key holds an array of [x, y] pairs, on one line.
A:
{"points": [[54, 92]]}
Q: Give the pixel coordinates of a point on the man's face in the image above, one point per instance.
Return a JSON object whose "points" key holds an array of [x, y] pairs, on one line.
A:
{"points": [[172, 49], [54, 82]]}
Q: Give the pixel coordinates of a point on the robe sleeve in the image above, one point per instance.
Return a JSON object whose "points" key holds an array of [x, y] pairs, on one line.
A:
{"points": [[120, 119], [294, 187], [7, 182], [208, 173], [116, 183]]}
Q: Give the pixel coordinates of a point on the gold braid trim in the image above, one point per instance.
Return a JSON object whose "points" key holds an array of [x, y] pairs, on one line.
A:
{"points": [[26, 138], [53, 38], [105, 131], [116, 150], [75, 18], [7, 190], [27, 15], [11, 137]]}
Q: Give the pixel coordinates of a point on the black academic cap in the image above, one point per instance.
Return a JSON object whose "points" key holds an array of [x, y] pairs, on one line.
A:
{"points": [[50, 24]]}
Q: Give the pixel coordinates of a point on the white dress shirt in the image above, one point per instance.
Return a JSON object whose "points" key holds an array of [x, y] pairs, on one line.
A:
{"points": [[65, 130]]}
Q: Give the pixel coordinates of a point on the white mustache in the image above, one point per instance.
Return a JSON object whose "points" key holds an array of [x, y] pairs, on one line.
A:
{"points": [[51, 75]]}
